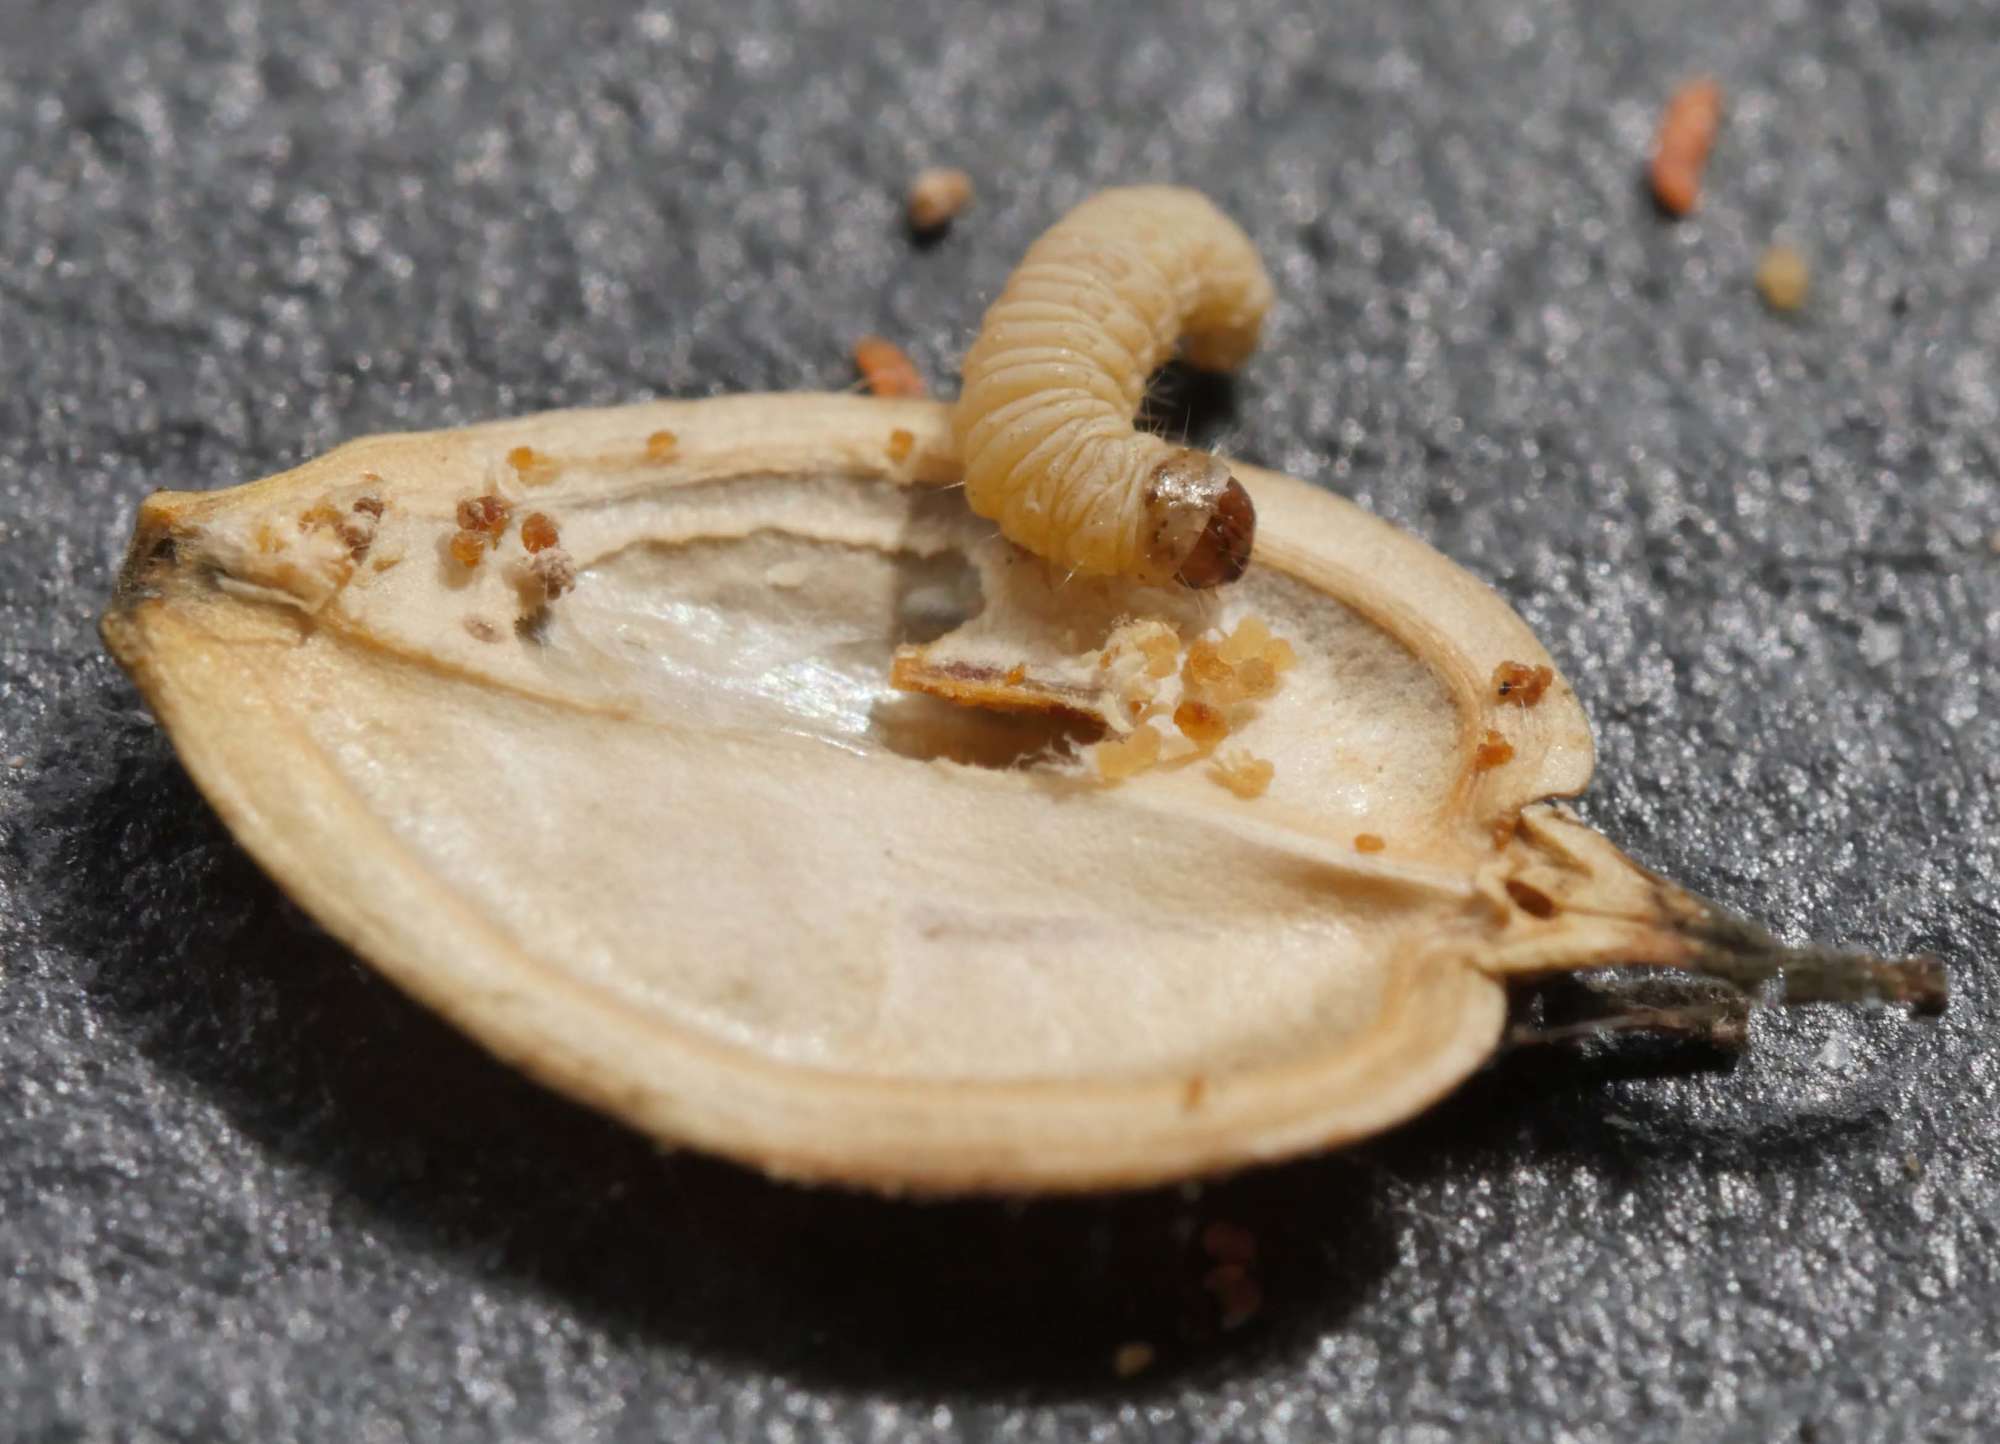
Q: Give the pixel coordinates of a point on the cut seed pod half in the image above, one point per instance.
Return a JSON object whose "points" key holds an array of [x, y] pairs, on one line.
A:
{"points": [[693, 822]]}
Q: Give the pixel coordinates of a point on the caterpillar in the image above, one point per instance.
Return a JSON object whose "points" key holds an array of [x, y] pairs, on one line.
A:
{"points": [[1043, 423]]}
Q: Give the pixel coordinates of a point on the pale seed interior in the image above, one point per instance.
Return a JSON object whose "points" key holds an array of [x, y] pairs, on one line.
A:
{"points": [[718, 811]]}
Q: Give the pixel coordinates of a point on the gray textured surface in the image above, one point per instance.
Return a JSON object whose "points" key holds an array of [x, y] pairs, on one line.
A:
{"points": [[248, 1193]]}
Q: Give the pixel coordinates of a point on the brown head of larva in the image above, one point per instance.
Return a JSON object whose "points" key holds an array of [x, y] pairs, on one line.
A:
{"points": [[1203, 523]]}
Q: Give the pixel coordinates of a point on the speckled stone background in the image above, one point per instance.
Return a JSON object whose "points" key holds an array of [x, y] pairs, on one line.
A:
{"points": [[249, 1193]]}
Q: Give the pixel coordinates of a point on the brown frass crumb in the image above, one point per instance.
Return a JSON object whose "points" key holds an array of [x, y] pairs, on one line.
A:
{"points": [[1229, 1243], [357, 530], [1238, 1296], [355, 527], [538, 532], [1680, 153], [487, 514], [1206, 671], [553, 571], [1520, 683], [936, 197], [1257, 677], [533, 467], [1129, 1361], [1244, 775], [1128, 756], [468, 548], [1201, 724], [1161, 648], [886, 370], [1493, 751]]}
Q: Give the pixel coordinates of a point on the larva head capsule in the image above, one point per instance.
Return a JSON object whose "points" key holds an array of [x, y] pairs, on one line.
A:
{"points": [[1203, 523]]}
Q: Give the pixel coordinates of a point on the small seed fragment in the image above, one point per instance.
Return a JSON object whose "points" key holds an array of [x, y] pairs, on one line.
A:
{"points": [[1493, 751], [1133, 1359], [1201, 724], [886, 369], [901, 443], [1687, 132], [1368, 842], [538, 531], [937, 196], [1783, 278], [1243, 774], [661, 445]]}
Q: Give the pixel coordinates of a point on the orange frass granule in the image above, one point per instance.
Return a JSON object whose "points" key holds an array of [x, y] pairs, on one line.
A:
{"points": [[886, 369]]}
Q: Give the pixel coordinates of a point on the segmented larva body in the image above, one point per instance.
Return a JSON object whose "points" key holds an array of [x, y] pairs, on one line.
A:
{"points": [[1044, 422]]}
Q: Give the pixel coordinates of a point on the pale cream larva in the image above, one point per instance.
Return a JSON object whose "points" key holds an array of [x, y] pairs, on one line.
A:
{"points": [[1044, 422]]}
